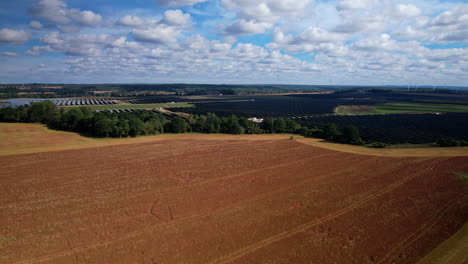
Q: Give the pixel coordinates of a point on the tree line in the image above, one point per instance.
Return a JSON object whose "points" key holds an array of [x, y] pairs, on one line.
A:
{"points": [[330, 132], [136, 123], [131, 124]]}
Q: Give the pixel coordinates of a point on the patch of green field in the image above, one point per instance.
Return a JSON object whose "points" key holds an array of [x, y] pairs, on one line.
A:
{"points": [[134, 106], [397, 108], [461, 175]]}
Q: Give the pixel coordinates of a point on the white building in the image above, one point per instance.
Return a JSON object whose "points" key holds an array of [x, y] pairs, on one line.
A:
{"points": [[256, 120]]}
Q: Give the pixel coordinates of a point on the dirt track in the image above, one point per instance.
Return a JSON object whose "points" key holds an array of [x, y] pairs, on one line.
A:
{"points": [[226, 201]]}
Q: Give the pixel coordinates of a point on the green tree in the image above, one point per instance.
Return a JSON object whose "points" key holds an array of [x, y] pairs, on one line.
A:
{"points": [[101, 125], [43, 112], [123, 128], [269, 125], [213, 123], [244, 122], [178, 125], [153, 126], [136, 126], [280, 125], [86, 111], [231, 125], [200, 124], [351, 135], [313, 132], [249, 126], [22, 112], [331, 132], [292, 126], [71, 118], [9, 114]]}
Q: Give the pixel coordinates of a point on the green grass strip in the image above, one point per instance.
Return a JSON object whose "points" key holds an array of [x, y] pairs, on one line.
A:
{"points": [[395, 108]]}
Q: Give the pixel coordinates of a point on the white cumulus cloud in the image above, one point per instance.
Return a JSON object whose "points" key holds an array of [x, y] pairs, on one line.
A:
{"points": [[56, 11], [173, 3], [255, 17], [36, 25], [50, 10], [243, 27], [130, 21], [14, 37], [175, 17], [156, 34], [78, 44], [85, 18]]}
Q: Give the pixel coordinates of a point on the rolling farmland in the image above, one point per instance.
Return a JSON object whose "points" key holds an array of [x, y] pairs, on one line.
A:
{"points": [[226, 200], [234, 132]]}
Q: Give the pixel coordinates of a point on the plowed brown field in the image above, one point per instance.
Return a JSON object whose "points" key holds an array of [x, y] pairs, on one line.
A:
{"points": [[226, 201]]}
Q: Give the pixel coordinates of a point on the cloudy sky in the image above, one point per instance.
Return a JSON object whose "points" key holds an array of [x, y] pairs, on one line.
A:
{"points": [[367, 42]]}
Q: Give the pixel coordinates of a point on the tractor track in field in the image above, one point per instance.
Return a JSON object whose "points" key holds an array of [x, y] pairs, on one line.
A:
{"points": [[175, 221], [288, 233], [202, 182], [74, 182], [196, 202], [414, 236], [360, 184]]}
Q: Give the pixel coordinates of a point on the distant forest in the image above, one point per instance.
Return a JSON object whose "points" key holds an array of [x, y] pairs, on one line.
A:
{"points": [[125, 90]]}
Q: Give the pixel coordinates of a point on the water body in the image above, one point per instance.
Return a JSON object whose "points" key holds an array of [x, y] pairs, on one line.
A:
{"points": [[26, 101]]}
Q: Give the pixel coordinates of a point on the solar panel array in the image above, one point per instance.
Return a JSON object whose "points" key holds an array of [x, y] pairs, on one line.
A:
{"points": [[61, 101], [121, 110], [82, 101]]}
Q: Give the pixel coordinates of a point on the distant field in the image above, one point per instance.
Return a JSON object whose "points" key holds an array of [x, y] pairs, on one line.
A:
{"points": [[134, 106], [394, 108], [399, 108], [220, 200]]}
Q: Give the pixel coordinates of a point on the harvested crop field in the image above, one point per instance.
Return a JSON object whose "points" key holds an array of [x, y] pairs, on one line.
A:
{"points": [[185, 200]]}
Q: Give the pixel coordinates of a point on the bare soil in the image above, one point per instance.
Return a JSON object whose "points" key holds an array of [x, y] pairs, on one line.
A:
{"points": [[221, 200]]}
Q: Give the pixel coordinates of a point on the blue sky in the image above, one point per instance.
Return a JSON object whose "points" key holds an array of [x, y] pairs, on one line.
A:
{"points": [[341, 42]]}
